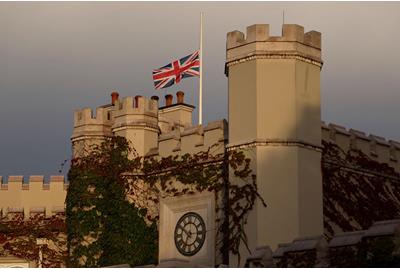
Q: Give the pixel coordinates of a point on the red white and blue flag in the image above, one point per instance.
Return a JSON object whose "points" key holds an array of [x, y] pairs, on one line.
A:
{"points": [[173, 73]]}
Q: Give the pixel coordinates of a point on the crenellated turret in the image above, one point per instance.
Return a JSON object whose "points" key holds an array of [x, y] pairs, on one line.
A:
{"points": [[136, 119], [258, 44], [275, 116], [91, 129]]}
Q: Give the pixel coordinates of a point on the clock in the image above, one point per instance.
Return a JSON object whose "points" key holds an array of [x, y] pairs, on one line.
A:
{"points": [[190, 234]]}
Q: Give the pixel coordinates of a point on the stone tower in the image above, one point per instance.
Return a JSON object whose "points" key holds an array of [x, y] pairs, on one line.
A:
{"points": [[90, 129], [277, 81], [136, 119]]}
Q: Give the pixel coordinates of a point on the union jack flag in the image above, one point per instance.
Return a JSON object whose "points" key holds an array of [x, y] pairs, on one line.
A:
{"points": [[188, 66]]}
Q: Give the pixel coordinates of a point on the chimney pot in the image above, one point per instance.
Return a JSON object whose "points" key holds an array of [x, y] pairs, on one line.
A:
{"points": [[180, 96], [114, 97], [168, 100]]}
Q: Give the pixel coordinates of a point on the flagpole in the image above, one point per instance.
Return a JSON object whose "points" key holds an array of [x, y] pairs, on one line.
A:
{"points": [[201, 71]]}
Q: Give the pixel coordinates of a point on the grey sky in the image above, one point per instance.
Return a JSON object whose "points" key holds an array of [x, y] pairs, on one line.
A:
{"points": [[56, 57]]}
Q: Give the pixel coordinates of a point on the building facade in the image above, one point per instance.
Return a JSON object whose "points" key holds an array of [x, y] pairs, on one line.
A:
{"points": [[274, 117]]}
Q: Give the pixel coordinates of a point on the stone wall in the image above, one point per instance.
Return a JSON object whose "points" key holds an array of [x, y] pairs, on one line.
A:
{"points": [[378, 246], [376, 147], [32, 194]]}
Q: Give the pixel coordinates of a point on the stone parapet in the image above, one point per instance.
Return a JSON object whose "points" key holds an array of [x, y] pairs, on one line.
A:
{"points": [[257, 43], [376, 147], [33, 194], [135, 111], [193, 139], [349, 249], [86, 123]]}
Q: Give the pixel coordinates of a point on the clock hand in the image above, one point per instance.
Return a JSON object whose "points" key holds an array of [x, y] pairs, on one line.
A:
{"points": [[189, 234]]}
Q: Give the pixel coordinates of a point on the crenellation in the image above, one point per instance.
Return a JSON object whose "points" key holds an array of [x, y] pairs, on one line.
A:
{"points": [[257, 32], [379, 140], [307, 243], [293, 32], [137, 105], [57, 178], [375, 147], [234, 39], [193, 139], [346, 239], [131, 118], [382, 228], [340, 136], [86, 116], [3, 184], [395, 144], [168, 142], [15, 179], [380, 148], [280, 250], [258, 44], [394, 151], [342, 250], [260, 33], [359, 140], [89, 128], [36, 178], [359, 134], [35, 193], [313, 39], [324, 126]]}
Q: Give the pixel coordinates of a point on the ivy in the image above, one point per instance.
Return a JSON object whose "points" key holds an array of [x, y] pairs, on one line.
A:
{"points": [[18, 238], [103, 227], [113, 197], [358, 190]]}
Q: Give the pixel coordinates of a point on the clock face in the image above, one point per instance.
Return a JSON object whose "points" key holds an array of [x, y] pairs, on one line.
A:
{"points": [[190, 234]]}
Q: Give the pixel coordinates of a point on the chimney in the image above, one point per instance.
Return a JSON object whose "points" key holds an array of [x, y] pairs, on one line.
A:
{"points": [[168, 100], [179, 96], [114, 97], [154, 98]]}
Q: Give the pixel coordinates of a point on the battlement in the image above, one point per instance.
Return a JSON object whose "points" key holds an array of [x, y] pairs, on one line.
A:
{"points": [[136, 111], [193, 139], [343, 250], [32, 193], [136, 105], [86, 123], [33, 181], [86, 116], [293, 43], [378, 148], [260, 32]]}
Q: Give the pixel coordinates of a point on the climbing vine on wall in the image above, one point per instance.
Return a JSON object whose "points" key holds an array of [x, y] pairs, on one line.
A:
{"points": [[357, 190], [113, 197], [200, 172], [103, 227], [18, 238]]}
